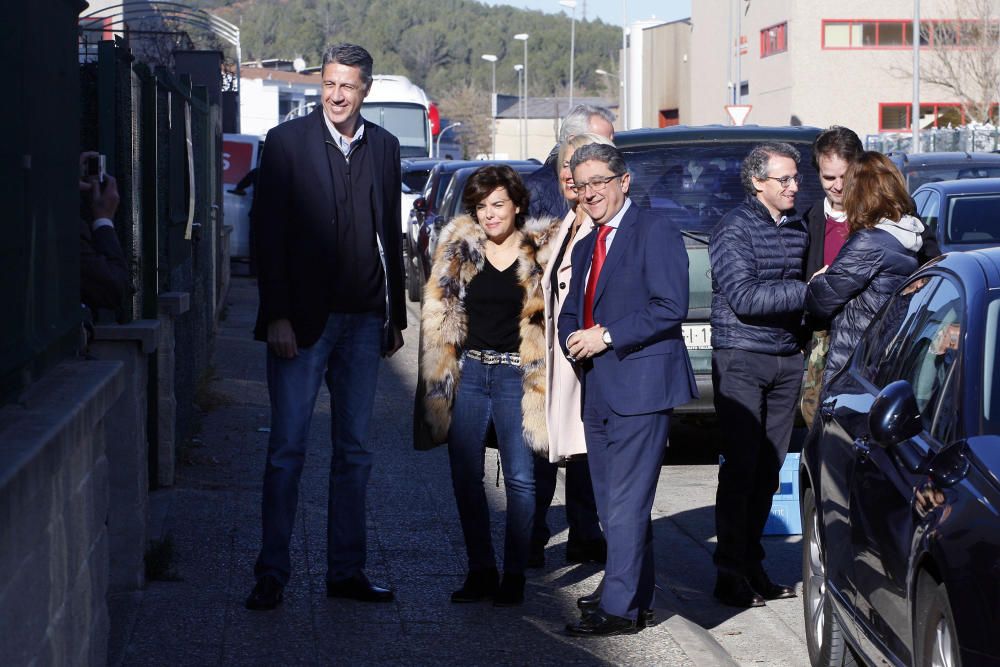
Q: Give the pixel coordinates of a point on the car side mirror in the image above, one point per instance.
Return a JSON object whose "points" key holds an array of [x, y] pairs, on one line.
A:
{"points": [[420, 204], [894, 416]]}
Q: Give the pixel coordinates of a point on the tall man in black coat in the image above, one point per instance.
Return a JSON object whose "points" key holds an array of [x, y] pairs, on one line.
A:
{"points": [[326, 219], [757, 253]]}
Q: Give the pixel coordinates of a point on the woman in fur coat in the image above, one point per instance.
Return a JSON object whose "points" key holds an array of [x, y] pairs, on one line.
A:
{"points": [[482, 362]]}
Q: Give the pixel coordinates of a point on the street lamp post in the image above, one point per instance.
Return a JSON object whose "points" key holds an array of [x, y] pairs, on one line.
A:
{"points": [[625, 67], [492, 59], [520, 108], [523, 36], [572, 45], [441, 134], [621, 88], [915, 112]]}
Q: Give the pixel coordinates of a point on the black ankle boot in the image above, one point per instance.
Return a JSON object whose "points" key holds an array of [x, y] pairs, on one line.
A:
{"points": [[511, 592], [479, 585]]}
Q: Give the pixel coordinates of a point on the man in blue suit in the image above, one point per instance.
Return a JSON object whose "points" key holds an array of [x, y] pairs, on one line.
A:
{"points": [[622, 325]]}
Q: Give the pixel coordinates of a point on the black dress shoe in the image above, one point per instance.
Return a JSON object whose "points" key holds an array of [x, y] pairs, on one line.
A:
{"points": [[592, 601], [645, 619], [769, 590], [266, 594], [479, 585], [358, 588], [735, 591], [589, 551], [511, 591], [601, 624]]}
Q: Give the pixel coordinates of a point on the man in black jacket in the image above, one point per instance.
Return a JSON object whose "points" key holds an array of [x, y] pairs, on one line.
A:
{"points": [[544, 191], [326, 222], [104, 273], [757, 253]]}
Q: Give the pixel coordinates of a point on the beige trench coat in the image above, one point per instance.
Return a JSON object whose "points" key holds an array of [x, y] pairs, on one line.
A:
{"points": [[562, 385]]}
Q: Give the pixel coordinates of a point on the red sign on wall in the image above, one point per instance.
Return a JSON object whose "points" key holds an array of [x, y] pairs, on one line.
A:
{"points": [[237, 161]]}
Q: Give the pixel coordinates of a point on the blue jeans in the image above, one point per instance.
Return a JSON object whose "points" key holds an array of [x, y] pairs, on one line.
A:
{"points": [[485, 394], [347, 357]]}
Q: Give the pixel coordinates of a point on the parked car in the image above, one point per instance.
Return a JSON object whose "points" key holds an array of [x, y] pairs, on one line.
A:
{"points": [[415, 174], [900, 480], [425, 220], [240, 159], [965, 215], [923, 168], [692, 174]]}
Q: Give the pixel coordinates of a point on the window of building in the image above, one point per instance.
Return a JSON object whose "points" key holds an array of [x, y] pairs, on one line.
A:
{"points": [[898, 33], [669, 117], [774, 40], [896, 116]]}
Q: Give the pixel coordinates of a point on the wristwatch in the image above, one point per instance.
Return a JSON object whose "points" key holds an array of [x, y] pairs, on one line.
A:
{"points": [[606, 337]]}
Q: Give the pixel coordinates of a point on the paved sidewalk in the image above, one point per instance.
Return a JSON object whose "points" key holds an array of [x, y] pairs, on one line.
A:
{"points": [[212, 517]]}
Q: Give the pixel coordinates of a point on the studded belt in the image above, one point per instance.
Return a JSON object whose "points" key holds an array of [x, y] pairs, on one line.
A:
{"points": [[491, 358]]}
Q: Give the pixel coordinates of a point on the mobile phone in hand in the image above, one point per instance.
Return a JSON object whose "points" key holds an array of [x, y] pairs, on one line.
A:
{"points": [[94, 167]]}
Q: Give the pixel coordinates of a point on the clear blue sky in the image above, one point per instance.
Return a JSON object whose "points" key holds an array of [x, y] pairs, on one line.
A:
{"points": [[610, 11]]}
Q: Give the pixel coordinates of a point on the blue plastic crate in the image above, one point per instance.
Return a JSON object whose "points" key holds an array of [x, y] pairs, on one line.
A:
{"points": [[786, 517]]}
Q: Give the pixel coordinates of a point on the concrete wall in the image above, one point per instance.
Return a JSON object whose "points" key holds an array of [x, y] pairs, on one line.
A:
{"points": [[258, 106], [54, 499], [666, 72], [543, 134]]}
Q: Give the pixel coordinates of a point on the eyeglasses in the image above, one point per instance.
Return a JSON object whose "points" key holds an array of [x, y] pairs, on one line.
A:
{"points": [[785, 181], [598, 184]]}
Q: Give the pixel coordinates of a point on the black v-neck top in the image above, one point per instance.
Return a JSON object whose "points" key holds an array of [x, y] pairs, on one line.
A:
{"points": [[493, 303]]}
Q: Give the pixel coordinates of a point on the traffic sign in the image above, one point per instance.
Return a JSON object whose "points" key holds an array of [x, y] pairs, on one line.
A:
{"points": [[738, 112]]}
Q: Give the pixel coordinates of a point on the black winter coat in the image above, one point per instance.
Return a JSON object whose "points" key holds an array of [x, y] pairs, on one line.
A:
{"points": [[758, 290], [546, 198], [869, 268]]}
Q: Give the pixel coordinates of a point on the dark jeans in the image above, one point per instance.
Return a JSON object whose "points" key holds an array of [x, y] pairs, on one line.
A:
{"points": [[755, 399], [347, 357], [581, 508], [491, 393]]}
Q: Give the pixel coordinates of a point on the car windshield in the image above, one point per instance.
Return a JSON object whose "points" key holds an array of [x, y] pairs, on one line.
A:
{"points": [[917, 176], [414, 180], [974, 219], [697, 183], [408, 122]]}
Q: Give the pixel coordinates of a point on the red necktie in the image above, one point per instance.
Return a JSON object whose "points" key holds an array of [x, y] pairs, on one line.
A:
{"points": [[600, 253]]}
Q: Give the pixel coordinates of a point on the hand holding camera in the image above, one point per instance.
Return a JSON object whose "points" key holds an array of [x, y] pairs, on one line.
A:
{"points": [[103, 188]]}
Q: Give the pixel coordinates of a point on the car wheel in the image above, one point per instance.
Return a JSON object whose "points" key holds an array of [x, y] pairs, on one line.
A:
{"points": [[934, 638], [414, 284], [824, 637]]}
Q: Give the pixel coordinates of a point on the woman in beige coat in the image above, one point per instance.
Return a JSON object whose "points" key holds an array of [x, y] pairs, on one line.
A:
{"points": [[562, 403]]}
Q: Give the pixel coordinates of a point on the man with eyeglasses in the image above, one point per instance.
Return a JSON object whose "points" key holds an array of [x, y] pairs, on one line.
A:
{"points": [[621, 325], [757, 252]]}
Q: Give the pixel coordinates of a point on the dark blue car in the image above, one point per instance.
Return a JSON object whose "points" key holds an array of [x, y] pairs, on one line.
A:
{"points": [[965, 214], [899, 476]]}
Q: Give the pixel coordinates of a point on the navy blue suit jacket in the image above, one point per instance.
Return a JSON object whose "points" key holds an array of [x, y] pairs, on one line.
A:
{"points": [[642, 299]]}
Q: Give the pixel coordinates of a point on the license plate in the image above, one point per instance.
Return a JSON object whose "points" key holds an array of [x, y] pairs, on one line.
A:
{"points": [[697, 336]]}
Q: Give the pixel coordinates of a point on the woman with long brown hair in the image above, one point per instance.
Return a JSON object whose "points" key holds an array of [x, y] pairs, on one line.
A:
{"points": [[880, 253]]}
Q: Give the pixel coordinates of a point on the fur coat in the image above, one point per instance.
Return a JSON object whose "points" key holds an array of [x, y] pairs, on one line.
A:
{"points": [[460, 256]]}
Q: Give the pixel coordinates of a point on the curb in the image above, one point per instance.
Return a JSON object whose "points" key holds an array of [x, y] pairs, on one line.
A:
{"points": [[697, 642]]}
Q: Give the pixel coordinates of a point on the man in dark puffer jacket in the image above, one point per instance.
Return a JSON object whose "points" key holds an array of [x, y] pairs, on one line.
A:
{"points": [[757, 252]]}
